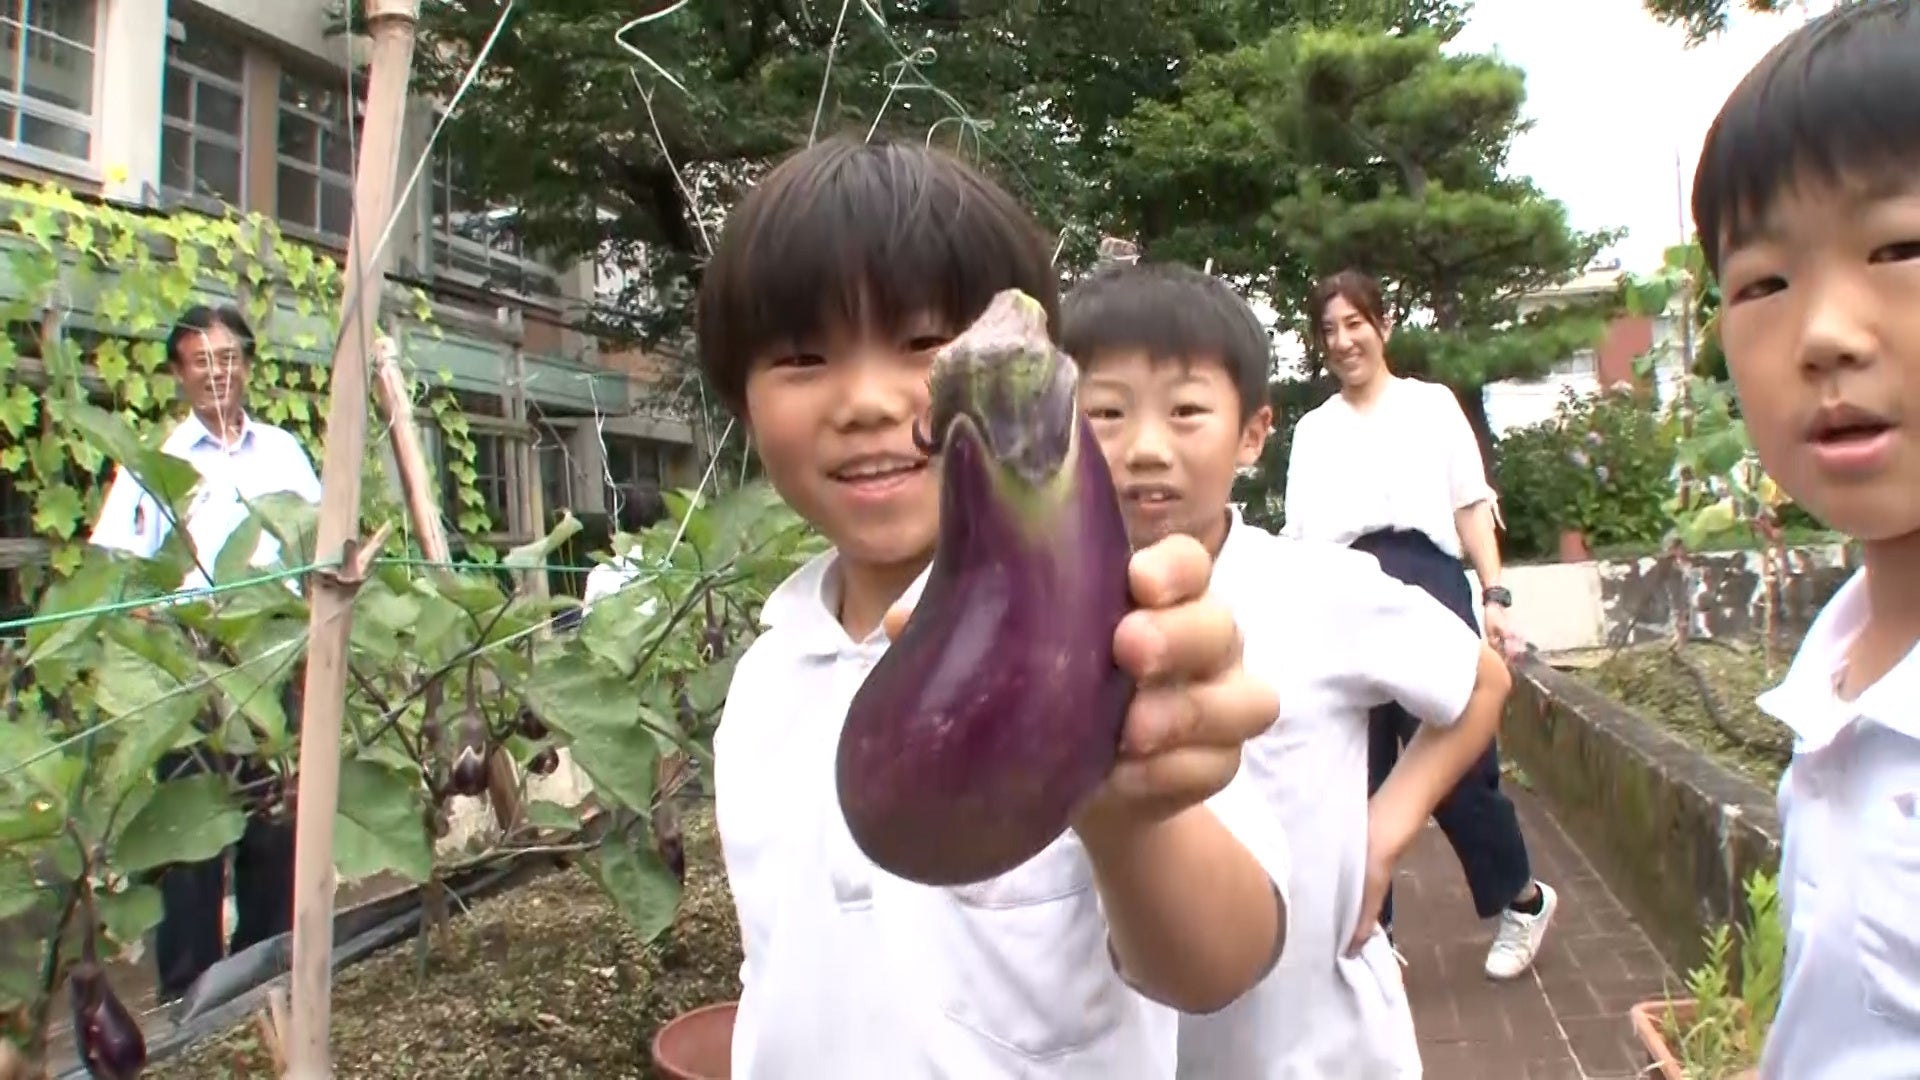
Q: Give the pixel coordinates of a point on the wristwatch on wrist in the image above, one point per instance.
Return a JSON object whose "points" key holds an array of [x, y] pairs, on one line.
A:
{"points": [[1496, 594]]}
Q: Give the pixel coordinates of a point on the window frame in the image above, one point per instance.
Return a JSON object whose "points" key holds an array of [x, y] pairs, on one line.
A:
{"points": [[24, 104], [316, 168], [192, 130], [442, 243]]}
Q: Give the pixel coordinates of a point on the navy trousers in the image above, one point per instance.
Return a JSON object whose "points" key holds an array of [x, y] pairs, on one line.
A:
{"points": [[191, 936], [1476, 816]]}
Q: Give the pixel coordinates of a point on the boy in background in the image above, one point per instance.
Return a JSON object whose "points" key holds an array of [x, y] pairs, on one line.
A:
{"points": [[836, 281], [1174, 379], [1807, 202]]}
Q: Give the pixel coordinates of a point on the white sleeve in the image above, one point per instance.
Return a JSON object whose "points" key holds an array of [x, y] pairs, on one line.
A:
{"points": [[129, 520], [1415, 651], [1295, 504], [301, 479], [1466, 470]]}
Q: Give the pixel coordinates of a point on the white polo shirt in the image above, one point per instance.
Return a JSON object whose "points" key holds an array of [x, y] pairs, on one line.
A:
{"points": [[853, 974], [1850, 868], [1336, 636], [1407, 462], [263, 461]]}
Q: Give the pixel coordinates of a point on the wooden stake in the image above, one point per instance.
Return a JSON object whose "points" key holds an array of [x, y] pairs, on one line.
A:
{"points": [[410, 458], [391, 25]]}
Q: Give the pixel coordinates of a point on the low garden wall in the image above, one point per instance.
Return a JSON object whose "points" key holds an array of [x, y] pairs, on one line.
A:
{"points": [[1673, 833], [1568, 606]]}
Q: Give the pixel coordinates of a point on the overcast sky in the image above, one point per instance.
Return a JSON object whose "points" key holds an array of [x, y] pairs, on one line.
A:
{"points": [[1614, 96]]}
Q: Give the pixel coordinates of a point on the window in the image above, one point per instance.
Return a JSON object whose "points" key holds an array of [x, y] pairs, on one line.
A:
{"points": [[46, 76], [634, 462], [316, 156], [551, 451], [202, 135], [1584, 362], [483, 242]]}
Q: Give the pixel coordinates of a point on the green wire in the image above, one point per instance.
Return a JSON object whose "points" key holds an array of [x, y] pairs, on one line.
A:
{"points": [[30, 622]]}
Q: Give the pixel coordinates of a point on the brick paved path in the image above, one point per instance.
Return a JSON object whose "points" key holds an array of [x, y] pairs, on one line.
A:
{"points": [[1564, 1020]]}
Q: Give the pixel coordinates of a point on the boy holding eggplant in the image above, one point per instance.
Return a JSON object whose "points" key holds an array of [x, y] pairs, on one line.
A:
{"points": [[834, 284], [1174, 381]]}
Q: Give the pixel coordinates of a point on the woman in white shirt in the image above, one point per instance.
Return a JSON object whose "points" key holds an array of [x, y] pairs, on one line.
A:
{"points": [[1390, 466]]}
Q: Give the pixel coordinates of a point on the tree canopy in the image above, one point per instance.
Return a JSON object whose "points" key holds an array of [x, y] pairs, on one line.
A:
{"points": [[1702, 19], [1035, 90], [1320, 149]]}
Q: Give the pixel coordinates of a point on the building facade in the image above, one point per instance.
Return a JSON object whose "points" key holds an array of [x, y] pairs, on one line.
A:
{"points": [[184, 105], [1517, 403]]}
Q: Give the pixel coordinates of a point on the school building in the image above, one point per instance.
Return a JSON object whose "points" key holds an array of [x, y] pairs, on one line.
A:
{"points": [[185, 105]]}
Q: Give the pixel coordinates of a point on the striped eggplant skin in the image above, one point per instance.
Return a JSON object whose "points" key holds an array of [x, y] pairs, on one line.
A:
{"points": [[986, 727]]}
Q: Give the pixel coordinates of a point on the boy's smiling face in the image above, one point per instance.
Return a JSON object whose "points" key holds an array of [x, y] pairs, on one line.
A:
{"points": [[1821, 327], [1173, 437], [833, 420]]}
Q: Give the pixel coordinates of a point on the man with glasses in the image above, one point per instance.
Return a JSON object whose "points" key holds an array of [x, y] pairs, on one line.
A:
{"points": [[210, 353]]}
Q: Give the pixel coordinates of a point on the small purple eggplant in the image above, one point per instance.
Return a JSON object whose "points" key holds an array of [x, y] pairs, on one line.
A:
{"points": [[988, 724], [110, 1042]]}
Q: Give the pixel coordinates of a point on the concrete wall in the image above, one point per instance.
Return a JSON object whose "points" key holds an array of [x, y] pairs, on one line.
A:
{"points": [[1674, 834], [1561, 607]]}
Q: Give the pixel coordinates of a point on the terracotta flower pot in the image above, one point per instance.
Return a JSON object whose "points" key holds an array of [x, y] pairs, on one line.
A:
{"points": [[1649, 1019], [1573, 546], [697, 1045]]}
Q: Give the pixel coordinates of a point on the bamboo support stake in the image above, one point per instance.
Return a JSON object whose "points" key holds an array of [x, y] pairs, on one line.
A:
{"points": [[410, 458], [391, 25]]}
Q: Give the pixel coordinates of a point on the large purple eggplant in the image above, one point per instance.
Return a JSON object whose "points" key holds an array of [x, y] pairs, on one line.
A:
{"points": [[997, 713]]}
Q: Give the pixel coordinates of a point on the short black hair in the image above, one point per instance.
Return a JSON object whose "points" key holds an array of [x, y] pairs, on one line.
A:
{"points": [[1838, 100], [1172, 312], [201, 318], [856, 233], [639, 507]]}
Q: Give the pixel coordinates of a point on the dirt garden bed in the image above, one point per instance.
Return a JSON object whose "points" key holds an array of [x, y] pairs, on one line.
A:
{"points": [[542, 981], [1704, 692]]}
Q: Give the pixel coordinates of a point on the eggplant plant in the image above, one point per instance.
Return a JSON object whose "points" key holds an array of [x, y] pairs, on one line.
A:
{"points": [[449, 668]]}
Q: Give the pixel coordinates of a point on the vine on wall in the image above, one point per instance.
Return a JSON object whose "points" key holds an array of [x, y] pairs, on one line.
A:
{"points": [[92, 291]]}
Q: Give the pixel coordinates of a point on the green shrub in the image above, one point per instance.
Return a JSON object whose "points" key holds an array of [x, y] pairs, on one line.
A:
{"points": [[1602, 464]]}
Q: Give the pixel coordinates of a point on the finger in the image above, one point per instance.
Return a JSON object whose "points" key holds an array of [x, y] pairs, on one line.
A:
{"points": [[1168, 572], [1183, 777], [896, 620], [1221, 714], [1197, 639], [1369, 918]]}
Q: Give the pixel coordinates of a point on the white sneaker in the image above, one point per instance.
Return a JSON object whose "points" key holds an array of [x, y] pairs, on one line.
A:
{"points": [[1518, 940]]}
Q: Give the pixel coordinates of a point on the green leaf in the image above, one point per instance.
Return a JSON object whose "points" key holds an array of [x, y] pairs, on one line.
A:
{"points": [[168, 478], [153, 714], [51, 771], [544, 814], [639, 884], [598, 714], [19, 893], [234, 561], [254, 691], [475, 594], [129, 914], [380, 825], [187, 820], [292, 521], [535, 555]]}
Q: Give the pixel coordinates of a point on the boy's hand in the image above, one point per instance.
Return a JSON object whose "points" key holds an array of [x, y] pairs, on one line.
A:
{"points": [[1382, 854], [1195, 704]]}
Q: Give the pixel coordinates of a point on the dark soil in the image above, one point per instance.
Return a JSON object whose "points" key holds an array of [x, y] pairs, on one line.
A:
{"points": [[1705, 693], [543, 981]]}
